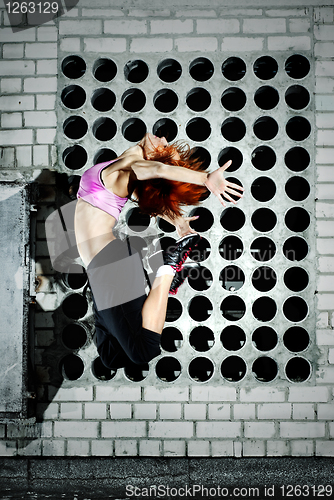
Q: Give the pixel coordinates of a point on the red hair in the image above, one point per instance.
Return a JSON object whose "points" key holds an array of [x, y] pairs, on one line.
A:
{"points": [[164, 197]]}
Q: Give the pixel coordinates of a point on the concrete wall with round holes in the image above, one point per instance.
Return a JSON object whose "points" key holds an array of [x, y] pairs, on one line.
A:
{"points": [[247, 362]]}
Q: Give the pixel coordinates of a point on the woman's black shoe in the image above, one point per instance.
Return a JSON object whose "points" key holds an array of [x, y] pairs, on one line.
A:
{"points": [[181, 276], [176, 255]]}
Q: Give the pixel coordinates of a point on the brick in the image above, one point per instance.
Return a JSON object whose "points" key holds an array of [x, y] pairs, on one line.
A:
{"points": [[149, 13], [145, 411], [325, 155], [172, 26], [76, 429], [325, 337], [150, 448], [331, 357], [120, 410], [324, 448], [123, 429], [71, 394], [325, 229], [303, 411], [325, 301], [219, 411], [222, 448], [323, 32], [166, 393], [126, 447], [40, 118], [46, 136], [146, 45], [41, 50], [324, 85], [324, 102], [302, 448], [95, 411], [302, 429], [70, 44], [176, 448], [194, 411], [102, 448], [323, 320], [196, 13], [324, 120], [253, 448], [170, 429], [101, 13], [46, 67], [106, 44], [170, 411], [211, 394], [7, 35], [80, 27], [259, 429], [73, 13], [53, 447], [199, 448], [278, 448], [324, 68], [46, 102], [241, 44], [259, 394], [299, 25], [289, 43], [218, 429], [17, 102], [308, 394], [196, 44], [323, 49], [47, 34], [323, 14], [241, 12], [117, 393], [223, 26], [287, 12], [274, 411], [8, 448], [11, 120], [120, 27], [14, 68], [244, 411], [11, 85], [40, 84], [7, 157], [264, 25], [77, 448], [40, 155], [325, 138], [237, 449], [325, 374], [13, 51], [71, 411], [28, 448], [325, 283], [48, 411], [14, 137]]}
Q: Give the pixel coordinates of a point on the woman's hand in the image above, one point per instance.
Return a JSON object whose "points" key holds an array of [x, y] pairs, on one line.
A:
{"points": [[218, 185], [182, 226]]}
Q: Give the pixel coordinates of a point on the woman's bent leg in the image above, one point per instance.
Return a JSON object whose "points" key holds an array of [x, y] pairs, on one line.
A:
{"points": [[155, 306]]}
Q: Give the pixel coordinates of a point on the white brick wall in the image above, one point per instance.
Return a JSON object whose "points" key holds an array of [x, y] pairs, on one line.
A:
{"points": [[175, 421]]}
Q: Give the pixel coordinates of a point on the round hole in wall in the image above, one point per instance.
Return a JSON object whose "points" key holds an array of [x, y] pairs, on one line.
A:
{"points": [[201, 339], [168, 369], [265, 128], [264, 278], [200, 308], [133, 100], [136, 373], [104, 70], [136, 71], [295, 248], [263, 158], [76, 279], [264, 220], [298, 369], [265, 68], [232, 278], [200, 279], [263, 189], [233, 99], [165, 127], [233, 338], [298, 128], [201, 69], [165, 100], [295, 309], [265, 338], [234, 69], [73, 96], [100, 371], [297, 66], [174, 309], [73, 67], [136, 220], [232, 219], [103, 99], [202, 251], [264, 309], [231, 248], [104, 129], [165, 226], [297, 188], [297, 97], [297, 159], [296, 339], [75, 157], [104, 154], [233, 308], [233, 368], [297, 219], [265, 369], [198, 99], [75, 306], [133, 129], [74, 336], [75, 127], [263, 249], [233, 129], [234, 180], [201, 369], [266, 97], [296, 279], [201, 154], [169, 70], [171, 339], [167, 243], [233, 154], [72, 367], [198, 129], [205, 220]]}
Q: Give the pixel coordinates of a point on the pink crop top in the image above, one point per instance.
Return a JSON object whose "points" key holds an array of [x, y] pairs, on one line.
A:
{"points": [[92, 190]]}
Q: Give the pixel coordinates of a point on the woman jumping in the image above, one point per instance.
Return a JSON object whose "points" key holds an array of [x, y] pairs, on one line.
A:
{"points": [[161, 177]]}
